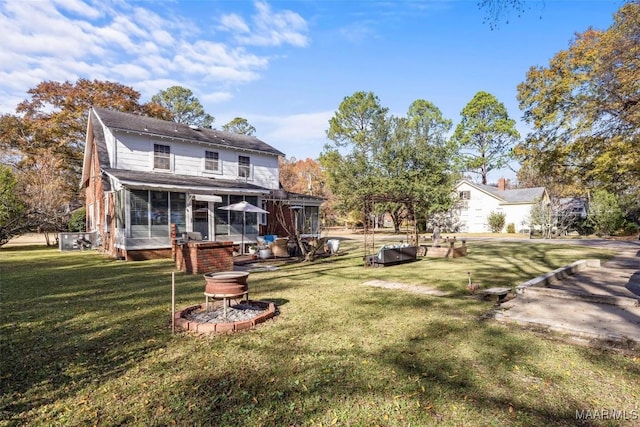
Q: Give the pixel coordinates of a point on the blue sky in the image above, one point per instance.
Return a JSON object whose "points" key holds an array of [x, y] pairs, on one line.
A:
{"points": [[285, 66]]}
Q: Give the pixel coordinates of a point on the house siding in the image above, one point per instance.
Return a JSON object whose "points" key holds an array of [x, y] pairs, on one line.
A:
{"points": [[135, 152], [115, 159], [474, 212]]}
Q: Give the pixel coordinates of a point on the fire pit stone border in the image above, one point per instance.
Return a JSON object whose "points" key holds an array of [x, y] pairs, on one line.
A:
{"points": [[229, 327]]}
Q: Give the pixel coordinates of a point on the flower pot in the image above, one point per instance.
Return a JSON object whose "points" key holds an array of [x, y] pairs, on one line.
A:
{"points": [[334, 245], [265, 253]]}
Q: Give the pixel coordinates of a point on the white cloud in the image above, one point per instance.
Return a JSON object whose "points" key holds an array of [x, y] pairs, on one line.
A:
{"points": [[79, 7], [138, 45], [269, 28], [233, 22], [215, 97]]}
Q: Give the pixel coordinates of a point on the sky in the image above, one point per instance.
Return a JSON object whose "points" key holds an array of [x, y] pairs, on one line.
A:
{"points": [[286, 66]]}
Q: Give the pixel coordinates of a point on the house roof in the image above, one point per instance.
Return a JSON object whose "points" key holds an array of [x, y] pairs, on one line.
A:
{"points": [[150, 126], [143, 179], [515, 195]]}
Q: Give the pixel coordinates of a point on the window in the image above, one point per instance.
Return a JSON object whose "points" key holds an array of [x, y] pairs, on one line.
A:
{"points": [[211, 161], [153, 212], [159, 204], [230, 222], [139, 209], [161, 157], [244, 167], [465, 195]]}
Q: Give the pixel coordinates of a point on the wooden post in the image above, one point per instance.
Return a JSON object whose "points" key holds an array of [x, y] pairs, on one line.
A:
{"points": [[173, 302]]}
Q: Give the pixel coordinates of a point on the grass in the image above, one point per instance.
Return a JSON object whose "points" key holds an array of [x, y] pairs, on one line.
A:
{"points": [[86, 340]]}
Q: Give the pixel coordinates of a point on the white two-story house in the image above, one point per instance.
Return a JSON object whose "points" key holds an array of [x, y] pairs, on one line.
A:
{"points": [[477, 201], [141, 175]]}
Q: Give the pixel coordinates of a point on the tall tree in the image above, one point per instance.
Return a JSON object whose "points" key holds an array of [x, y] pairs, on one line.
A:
{"points": [[500, 10], [403, 164], [416, 159], [55, 120], [12, 209], [485, 135], [52, 125], [303, 177], [355, 131], [184, 106], [240, 126], [46, 195], [584, 108], [605, 214]]}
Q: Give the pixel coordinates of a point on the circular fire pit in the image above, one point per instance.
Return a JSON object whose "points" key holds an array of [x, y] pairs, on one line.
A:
{"points": [[198, 319], [228, 283]]}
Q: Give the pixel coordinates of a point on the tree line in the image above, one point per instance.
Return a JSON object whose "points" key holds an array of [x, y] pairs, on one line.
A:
{"points": [[583, 109]]}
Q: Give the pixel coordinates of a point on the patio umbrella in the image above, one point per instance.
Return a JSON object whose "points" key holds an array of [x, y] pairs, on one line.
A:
{"points": [[243, 207]]}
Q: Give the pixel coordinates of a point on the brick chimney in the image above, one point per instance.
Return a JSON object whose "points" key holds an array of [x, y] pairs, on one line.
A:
{"points": [[502, 184]]}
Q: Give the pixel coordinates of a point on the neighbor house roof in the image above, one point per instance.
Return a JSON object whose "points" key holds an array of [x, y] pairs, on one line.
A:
{"points": [[150, 126], [515, 195]]}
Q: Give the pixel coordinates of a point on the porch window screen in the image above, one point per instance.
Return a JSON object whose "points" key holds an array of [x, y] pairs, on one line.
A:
{"points": [[119, 209], [152, 212], [161, 156], [251, 226], [139, 213], [159, 213], [178, 205], [235, 218], [311, 221], [230, 222], [222, 218]]}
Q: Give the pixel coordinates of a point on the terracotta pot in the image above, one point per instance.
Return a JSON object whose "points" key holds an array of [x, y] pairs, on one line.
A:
{"points": [[228, 283]]}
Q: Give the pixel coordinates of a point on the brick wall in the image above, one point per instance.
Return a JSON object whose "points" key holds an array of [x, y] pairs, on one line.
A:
{"points": [[204, 257]]}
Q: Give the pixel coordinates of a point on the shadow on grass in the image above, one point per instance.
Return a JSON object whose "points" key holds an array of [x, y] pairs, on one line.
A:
{"points": [[74, 320], [73, 324]]}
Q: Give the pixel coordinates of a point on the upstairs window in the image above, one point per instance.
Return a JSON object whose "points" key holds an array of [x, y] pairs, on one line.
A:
{"points": [[211, 161], [244, 167], [161, 157], [465, 195]]}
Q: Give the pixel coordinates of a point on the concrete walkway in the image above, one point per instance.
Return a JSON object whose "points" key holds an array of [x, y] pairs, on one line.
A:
{"points": [[596, 303]]}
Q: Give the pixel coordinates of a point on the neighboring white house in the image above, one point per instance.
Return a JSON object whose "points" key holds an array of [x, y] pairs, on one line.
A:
{"points": [[477, 201], [142, 176]]}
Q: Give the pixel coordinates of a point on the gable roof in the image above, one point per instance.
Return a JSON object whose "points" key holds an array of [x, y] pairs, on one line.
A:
{"points": [[150, 126], [515, 195]]}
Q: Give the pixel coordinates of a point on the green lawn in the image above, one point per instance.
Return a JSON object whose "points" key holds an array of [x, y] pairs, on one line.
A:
{"points": [[87, 340]]}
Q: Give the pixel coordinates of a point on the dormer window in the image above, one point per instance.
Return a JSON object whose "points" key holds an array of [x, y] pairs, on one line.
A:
{"points": [[244, 167], [211, 161], [161, 157]]}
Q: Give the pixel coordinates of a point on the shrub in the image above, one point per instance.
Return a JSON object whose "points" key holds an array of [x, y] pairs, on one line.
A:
{"points": [[605, 214], [77, 220], [630, 228], [511, 228], [496, 221]]}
